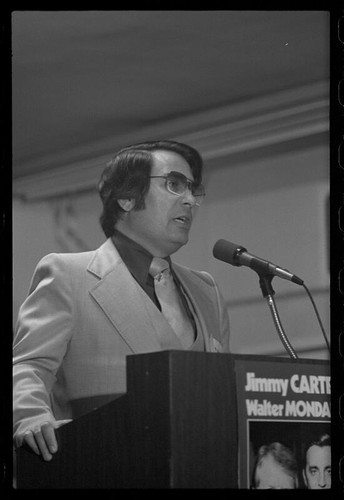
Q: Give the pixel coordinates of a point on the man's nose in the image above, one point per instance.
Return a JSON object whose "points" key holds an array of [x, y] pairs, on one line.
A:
{"points": [[188, 198], [322, 480]]}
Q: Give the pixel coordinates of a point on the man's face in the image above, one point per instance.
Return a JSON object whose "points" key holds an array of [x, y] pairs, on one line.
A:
{"points": [[270, 475], [163, 226], [317, 473]]}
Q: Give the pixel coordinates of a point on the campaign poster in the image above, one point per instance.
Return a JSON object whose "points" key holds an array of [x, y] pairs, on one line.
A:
{"points": [[282, 404]]}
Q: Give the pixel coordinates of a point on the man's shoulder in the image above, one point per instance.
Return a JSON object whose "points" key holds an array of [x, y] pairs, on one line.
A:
{"points": [[66, 257], [75, 259]]}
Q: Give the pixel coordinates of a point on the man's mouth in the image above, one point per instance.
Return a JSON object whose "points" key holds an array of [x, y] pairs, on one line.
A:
{"points": [[183, 219]]}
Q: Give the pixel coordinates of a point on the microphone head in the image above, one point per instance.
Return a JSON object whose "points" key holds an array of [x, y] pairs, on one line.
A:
{"points": [[227, 252]]}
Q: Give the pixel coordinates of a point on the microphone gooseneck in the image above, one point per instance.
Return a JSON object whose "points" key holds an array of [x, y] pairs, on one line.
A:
{"points": [[237, 255]]}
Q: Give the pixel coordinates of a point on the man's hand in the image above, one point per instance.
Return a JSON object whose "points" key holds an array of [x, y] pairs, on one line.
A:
{"points": [[42, 440]]}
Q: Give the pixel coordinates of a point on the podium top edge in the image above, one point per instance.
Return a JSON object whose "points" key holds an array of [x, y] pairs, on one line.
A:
{"points": [[235, 356]]}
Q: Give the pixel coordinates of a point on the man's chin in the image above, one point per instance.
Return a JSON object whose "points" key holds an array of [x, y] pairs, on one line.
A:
{"points": [[177, 243]]}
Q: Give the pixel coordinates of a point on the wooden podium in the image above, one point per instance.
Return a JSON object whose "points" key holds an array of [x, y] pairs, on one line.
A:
{"points": [[176, 427], [188, 420]]}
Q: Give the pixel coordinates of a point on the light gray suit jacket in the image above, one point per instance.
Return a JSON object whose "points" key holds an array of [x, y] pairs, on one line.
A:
{"points": [[84, 314]]}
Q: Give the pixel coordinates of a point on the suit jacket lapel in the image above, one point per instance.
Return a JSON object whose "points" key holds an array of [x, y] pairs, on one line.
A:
{"points": [[138, 330], [198, 294], [116, 292]]}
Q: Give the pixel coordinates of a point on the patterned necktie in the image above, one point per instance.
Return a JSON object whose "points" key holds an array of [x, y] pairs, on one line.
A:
{"points": [[170, 301]]}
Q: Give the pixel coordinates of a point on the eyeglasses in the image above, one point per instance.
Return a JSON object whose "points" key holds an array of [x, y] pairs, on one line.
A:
{"points": [[177, 183]]}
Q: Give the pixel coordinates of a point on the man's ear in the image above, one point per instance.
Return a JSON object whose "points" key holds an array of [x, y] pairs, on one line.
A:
{"points": [[127, 205]]}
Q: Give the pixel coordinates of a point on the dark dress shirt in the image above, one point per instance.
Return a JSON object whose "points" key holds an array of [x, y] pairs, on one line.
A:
{"points": [[138, 261]]}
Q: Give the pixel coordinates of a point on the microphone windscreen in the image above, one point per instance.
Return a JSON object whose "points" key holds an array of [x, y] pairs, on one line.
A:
{"points": [[226, 251]]}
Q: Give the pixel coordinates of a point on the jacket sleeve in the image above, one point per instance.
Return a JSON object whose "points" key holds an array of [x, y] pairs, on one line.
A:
{"points": [[43, 330]]}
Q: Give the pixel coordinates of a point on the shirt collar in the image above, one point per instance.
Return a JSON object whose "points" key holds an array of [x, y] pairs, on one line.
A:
{"points": [[135, 256]]}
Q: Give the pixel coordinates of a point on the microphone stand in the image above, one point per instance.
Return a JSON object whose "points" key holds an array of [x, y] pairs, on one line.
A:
{"points": [[265, 280]]}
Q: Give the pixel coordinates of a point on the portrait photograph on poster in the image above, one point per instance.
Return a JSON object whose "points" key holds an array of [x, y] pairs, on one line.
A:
{"points": [[284, 410], [289, 455]]}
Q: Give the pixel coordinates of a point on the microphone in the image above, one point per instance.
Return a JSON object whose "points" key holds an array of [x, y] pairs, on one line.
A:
{"points": [[237, 255]]}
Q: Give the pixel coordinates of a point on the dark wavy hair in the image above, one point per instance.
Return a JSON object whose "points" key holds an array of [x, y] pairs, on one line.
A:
{"points": [[126, 176]]}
